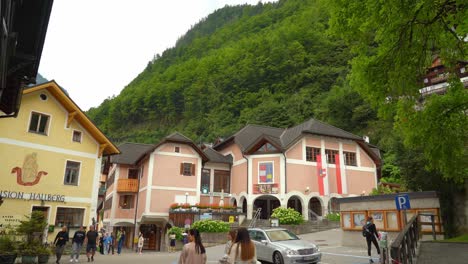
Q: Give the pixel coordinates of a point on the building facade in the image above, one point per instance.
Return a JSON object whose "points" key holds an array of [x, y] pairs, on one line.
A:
{"points": [[304, 167], [51, 160]]}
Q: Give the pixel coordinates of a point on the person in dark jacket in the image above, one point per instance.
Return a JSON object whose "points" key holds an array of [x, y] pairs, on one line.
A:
{"points": [[60, 240], [371, 236], [77, 244]]}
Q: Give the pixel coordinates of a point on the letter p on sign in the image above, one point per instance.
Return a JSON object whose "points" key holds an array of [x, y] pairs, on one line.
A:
{"points": [[402, 202]]}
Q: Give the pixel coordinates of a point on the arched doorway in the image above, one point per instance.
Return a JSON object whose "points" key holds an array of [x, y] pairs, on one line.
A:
{"points": [[315, 205], [333, 205], [295, 203], [244, 204], [233, 202], [267, 203]]}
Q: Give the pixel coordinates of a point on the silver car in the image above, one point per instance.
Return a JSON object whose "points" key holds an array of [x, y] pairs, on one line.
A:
{"points": [[280, 246]]}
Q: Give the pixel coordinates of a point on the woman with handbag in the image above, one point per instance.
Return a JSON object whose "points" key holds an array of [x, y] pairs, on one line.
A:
{"points": [[243, 250]]}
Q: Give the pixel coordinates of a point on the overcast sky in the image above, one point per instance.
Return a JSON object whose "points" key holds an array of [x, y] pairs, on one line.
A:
{"points": [[94, 48]]}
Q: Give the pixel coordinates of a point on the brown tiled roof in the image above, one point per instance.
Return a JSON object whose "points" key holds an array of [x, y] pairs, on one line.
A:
{"points": [[130, 153]]}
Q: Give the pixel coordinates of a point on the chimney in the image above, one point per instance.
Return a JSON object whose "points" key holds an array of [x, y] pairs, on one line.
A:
{"points": [[366, 139]]}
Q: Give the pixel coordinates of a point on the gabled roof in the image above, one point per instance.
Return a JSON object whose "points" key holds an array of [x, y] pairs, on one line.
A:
{"points": [[131, 153], [214, 156], [253, 136], [106, 147]]}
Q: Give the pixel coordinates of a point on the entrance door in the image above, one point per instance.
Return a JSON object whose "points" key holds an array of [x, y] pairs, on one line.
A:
{"points": [[44, 210], [152, 236], [267, 203]]}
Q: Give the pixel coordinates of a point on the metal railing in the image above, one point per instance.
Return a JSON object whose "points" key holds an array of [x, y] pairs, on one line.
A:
{"points": [[255, 217], [403, 249], [314, 216]]}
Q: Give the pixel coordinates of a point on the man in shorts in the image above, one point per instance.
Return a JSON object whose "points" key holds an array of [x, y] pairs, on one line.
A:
{"points": [[91, 239]]}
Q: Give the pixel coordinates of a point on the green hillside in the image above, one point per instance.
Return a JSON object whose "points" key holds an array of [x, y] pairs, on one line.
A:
{"points": [[269, 64]]}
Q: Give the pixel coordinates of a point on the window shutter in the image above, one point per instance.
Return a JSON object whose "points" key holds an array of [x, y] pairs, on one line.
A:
{"points": [[182, 169], [193, 169]]}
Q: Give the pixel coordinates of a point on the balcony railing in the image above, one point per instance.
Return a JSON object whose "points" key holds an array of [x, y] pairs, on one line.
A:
{"points": [[127, 185]]}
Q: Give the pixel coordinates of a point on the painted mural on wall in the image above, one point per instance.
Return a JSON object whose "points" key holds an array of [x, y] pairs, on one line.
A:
{"points": [[28, 175]]}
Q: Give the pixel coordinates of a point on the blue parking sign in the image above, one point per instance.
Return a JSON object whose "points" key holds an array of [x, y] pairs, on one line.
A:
{"points": [[402, 202]]}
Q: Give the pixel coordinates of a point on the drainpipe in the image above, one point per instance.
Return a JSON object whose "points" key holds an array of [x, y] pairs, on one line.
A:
{"points": [[136, 208], [285, 174], [246, 159]]}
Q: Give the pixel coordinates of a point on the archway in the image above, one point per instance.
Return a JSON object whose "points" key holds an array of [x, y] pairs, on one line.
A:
{"points": [[267, 203], [295, 203], [315, 205], [233, 202], [333, 205], [243, 201]]}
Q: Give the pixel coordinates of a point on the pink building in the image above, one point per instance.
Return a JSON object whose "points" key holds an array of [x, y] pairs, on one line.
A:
{"points": [[303, 167]]}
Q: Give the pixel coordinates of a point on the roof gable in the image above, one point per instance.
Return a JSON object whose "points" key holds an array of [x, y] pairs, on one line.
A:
{"points": [[131, 153], [106, 147]]}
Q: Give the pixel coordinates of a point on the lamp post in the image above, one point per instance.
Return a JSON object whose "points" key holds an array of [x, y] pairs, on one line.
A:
{"points": [[186, 198]]}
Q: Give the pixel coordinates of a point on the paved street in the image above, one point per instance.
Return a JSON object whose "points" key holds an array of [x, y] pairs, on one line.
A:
{"points": [[329, 242]]}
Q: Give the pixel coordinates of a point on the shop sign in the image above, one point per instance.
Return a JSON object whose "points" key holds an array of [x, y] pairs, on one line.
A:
{"points": [[32, 196]]}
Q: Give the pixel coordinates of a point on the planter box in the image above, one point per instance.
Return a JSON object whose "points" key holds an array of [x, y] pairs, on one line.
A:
{"points": [[8, 258], [211, 239]]}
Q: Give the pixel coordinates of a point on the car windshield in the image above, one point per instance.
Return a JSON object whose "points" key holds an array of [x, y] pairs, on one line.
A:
{"points": [[281, 235]]}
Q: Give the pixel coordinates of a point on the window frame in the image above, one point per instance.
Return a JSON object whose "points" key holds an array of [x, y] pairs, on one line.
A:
{"points": [[184, 171], [65, 173], [83, 211], [313, 153], [130, 199], [47, 125], [347, 157], [177, 149], [205, 172], [73, 136], [133, 169], [330, 155], [225, 183]]}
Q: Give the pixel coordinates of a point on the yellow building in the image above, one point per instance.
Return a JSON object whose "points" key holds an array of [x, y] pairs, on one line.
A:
{"points": [[50, 160]]}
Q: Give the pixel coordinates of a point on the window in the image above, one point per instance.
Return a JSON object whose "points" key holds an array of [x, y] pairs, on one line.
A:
{"points": [[126, 201], [187, 169], [350, 158], [265, 172], [330, 153], [132, 173], [76, 136], [177, 149], [39, 123], [72, 172], [221, 181], [267, 148], [70, 217], [205, 181], [312, 153]]}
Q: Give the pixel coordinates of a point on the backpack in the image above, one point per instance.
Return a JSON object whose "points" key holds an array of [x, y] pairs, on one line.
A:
{"points": [[365, 230]]}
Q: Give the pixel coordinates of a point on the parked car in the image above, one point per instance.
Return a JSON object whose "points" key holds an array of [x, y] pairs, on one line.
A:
{"points": [[280, 246]]}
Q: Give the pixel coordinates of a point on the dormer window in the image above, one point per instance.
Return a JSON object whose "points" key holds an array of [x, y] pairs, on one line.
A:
{"points": [[177, 149], [76, 136]]}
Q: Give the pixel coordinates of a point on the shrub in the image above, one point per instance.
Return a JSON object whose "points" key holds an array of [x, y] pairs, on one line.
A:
{"points": [[333, 217], [211, 226], [177, 231], [7, 245], [287, 216]]}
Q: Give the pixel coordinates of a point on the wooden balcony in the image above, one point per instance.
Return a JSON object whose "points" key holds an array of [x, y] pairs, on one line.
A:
{"points": [[127, 185]]}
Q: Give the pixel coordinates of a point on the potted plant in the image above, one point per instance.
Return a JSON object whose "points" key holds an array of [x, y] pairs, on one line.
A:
{"points": [[43, 254], [28, 253], [33, 229], [7, 250]]}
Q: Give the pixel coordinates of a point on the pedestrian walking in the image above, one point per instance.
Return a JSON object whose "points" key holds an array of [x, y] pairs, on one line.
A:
{"points": [[141, 242], [120, 240], [193, 252], [91, 241], [243, 250], [112, 245], [231, 236], [369, 231], [107, 243], [172, 242], [77, 244], [101, 243], [60, 240]]}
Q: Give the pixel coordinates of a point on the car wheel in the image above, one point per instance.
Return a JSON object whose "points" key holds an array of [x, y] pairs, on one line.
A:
{"points": [[277, 258]]}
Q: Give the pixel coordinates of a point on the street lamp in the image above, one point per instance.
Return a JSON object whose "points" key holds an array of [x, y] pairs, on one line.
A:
{"points": [[186, 198]]}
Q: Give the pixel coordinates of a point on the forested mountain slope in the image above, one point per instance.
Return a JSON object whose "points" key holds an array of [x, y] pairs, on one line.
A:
{"points": [[270, 64]]}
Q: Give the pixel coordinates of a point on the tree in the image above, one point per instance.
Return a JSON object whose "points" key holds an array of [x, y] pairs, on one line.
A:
{"points": [[393, 43]]}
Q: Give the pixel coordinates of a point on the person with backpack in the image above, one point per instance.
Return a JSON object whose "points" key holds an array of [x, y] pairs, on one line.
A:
{"points": [[369, 231]]}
